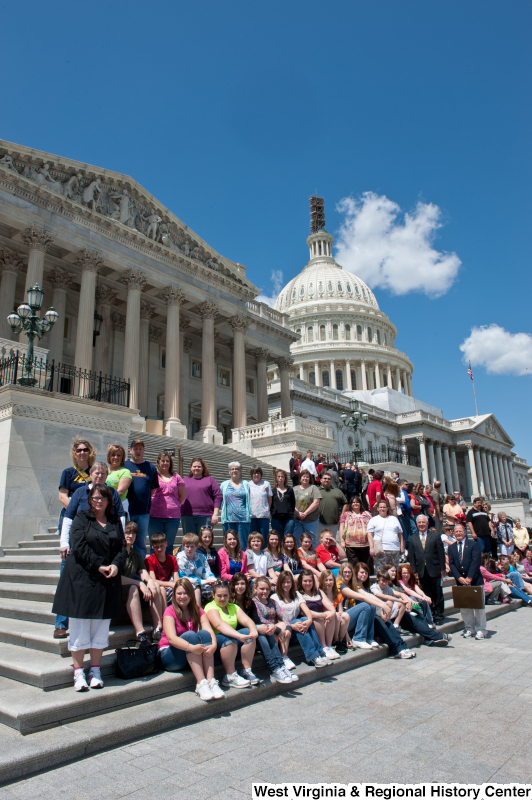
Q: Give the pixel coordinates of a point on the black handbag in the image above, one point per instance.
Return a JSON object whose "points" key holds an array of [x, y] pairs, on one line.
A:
{"points": [[133, 661]]}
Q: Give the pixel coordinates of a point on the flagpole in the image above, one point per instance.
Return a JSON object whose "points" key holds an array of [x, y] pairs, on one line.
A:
{"points": [[470, 373]]}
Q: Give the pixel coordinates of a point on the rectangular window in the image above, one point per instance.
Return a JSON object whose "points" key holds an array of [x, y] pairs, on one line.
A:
{"points": [[163, 358], [250, 386], [224, 377], [195, 368], [67, 328]]}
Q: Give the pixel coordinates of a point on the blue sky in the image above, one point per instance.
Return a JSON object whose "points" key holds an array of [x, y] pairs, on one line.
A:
{"points": [[233, 113]]}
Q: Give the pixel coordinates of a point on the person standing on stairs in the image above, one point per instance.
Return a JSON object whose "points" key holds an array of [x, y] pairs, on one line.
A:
{"points": [[165, 512], [145, 478], [83, 457], [201, 506], [89, 589], [236, 505]]}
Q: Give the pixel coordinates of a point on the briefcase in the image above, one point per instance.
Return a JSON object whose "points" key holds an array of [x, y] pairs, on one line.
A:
{"points": [[468, 596]]}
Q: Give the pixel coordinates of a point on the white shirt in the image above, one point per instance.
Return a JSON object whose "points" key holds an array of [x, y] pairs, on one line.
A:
{"points": [[387, 529], [311, 466]]}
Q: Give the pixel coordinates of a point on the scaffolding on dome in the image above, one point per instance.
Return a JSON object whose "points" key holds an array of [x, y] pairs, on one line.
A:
{"points": [[317, 214]]}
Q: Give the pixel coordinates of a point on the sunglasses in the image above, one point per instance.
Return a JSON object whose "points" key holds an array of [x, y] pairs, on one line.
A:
{"points": [[222, 583], [83, 450]]}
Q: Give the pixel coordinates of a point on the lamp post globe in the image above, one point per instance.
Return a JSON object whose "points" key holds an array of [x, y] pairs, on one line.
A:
{"points": [[25, 320]]}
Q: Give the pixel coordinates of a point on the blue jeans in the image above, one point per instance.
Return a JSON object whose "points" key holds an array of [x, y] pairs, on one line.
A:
{"points": [[518, 589], [419, 625], [60, 620], [194, 524], [303, 526], [167, 526], [175, 660], [143, 521], [270, 651], [224, 641], [261, 525], [361, 619], [283, 526], [242, 529], [484, 543], [388, 634], [309, 641]]}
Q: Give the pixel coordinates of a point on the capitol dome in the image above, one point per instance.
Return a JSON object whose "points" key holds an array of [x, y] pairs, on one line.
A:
{"points": [[345, 341]]}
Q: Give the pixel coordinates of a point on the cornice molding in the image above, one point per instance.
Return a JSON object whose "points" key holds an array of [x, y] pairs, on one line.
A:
{"points": [[62, 418]]}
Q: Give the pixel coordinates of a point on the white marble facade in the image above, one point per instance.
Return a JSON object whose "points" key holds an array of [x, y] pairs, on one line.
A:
{"points": [[180, 321]]}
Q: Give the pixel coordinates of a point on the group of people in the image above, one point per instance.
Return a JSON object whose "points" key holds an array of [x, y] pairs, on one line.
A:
{"points": [[295, 566]]}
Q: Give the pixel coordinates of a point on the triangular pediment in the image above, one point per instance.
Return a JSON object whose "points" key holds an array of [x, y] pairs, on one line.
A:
{"points": [[489, 425]]}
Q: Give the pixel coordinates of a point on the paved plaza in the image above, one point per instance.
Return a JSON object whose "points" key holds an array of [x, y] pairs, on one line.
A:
{"points": [[460, 714]]}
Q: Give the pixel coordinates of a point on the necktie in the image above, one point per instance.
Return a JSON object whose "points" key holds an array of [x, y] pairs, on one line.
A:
{"points": [[460, 546], [423, 539]]}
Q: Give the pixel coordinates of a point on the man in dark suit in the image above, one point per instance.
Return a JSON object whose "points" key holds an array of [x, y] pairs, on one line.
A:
{"points": [[464, 561], [335, 464], [427, 559], [352, 480]]}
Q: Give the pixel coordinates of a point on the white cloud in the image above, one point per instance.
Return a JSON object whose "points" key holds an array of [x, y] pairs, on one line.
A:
{"points": [[392, 250], [500, 352], [276, 285]]}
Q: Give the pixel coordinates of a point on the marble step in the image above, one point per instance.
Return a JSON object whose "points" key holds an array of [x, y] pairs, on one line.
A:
{"points": [[39, 635], [43, 537], [28, 576], [50, 541], [41, 593], [42, 669], [27, 562], [27, 611], [35, 551]]}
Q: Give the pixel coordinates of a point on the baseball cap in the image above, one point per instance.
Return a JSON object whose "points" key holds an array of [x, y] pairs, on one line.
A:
{"points": [[137, 441]]}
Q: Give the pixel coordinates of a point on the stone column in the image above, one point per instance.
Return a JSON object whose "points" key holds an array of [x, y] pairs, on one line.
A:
{"points": [[317, 376], [481, 484], [60, 281], [439, 468], [485, 472], [389, 378], [12, 264], [364, 376], [240, 324], [377, 375], [135, 282], [37, 240], [403, 381], [208, 431], [410, 390], [147, 312], [301, 372], [154, 335], [174, 298], [332, 374], [498, 480], [510, 468], [286, 406], [454, 470], [262, 357], [89, 263], [491, 471], [447, 468], [105, 298], [185, 372], [118, 321], [424, 465], [432, 463], [348, 382], [503, 476], [398, 378], [472, 469]]}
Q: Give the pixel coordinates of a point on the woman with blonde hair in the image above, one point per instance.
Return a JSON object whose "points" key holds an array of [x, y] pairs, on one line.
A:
{"points": [[337, 639], [119, 477]]}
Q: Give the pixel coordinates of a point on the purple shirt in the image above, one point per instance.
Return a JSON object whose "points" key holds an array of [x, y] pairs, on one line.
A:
{"points": [[203, 496], [165, 500]]}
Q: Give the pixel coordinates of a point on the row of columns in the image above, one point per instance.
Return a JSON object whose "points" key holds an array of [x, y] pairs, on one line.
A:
{"points": [[396, 378], [489, 473]]}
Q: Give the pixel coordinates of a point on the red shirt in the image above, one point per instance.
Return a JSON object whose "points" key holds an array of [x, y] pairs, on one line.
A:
{"points": [[325, 554], [163, 571], [371, 493]]}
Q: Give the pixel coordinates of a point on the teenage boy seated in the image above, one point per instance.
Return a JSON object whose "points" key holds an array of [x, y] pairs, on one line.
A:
{"points": [[329, 551], [194, 565], [398, 603], [162, 567], [136, 581]]}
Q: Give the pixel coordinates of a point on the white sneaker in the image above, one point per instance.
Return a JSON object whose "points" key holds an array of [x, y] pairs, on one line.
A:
{"points": [[405, 654], [281, 676], [214, 686], [374, 644], [250, 676], [288, 663], [80, 682], [234, 681], [203, 690], [321, 661], [467, 634], [480, 635], [361, 645], [291, 675], [331, 653], [95, 679]]}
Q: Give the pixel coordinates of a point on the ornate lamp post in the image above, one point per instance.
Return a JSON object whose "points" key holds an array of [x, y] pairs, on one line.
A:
{"points": [[25, 319], [355, 420]]}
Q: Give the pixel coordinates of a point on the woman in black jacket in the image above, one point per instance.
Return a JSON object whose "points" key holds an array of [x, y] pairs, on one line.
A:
{"points": [[89, 590], [283, 505]]}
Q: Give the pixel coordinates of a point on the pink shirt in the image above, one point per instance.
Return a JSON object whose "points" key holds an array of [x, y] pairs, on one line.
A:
{"points": [[180, 628], [165, 500]]}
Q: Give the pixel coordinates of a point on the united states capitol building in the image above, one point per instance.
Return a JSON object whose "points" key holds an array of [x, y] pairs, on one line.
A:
{"points": [[158, 332]]}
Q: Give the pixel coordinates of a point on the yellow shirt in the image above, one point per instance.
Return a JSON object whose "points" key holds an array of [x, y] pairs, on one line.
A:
{"points": [[521, 537]]}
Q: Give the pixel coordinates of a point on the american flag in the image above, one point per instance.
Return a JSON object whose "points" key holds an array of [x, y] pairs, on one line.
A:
{"points": [[470, 372]]}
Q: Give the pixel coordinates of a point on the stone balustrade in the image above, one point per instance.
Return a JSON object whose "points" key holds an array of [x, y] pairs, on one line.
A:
{"points": [[10, 348], [281, 426]]}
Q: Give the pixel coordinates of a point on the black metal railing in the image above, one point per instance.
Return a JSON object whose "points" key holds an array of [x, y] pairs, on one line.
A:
{"points": [[379, 455], [507, 496], [65, 379]]}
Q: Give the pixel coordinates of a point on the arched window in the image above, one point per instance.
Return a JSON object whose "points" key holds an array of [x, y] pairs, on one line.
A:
{"points": [[378, 337], [322, 335], [364, 292], [335, 331], [348, 332], [311, 289], [294, 293], [320, 287], [325, 378], [353, 380], [385, 340], [339, 380], [359, 333], [302, 291], [385, 379], [310, 334], [312, 378], [329, 286], [349, 288], [357, 290], [298, 332], [370, 335], [340, 288], [319, 248]]}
